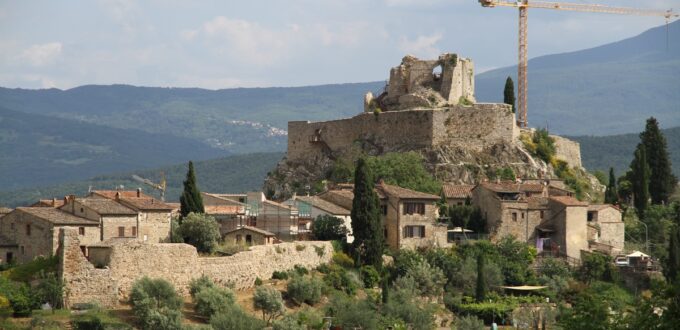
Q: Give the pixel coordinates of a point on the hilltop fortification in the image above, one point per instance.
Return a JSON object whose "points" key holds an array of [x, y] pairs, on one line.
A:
{"points": [[428, 106]]}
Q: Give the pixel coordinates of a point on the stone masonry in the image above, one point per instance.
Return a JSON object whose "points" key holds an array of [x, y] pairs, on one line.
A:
{"points": [[123, 263]]}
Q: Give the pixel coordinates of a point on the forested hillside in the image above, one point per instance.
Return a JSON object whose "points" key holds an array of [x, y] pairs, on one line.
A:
{"points": [[239, 173]]}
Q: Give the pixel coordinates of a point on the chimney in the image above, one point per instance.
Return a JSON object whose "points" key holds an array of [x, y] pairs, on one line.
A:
{"points": [[139, 192], [72, 200], [54, 202], [117, 195], [65, 199]]}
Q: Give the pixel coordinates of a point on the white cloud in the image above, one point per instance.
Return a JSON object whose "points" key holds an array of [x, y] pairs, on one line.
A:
{"points": [[423, 46], [39, 55]]}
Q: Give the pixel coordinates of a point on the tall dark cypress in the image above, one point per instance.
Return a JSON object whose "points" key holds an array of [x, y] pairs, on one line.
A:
{"points": [[480, 291], [509, 93], [672, 267], [610, 195], [662, 181], [191, 200], [640, 179], [367, 226]]}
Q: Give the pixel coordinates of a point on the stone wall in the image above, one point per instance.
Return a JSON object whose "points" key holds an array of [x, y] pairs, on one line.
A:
{"points": [[568, 150], [475, 127], [154, 226], [177, 263]]}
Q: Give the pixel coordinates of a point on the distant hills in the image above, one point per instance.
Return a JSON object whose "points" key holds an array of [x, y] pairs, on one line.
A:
{"points": [[610, 89], [54, 136], [602, 152], [236, 174]]}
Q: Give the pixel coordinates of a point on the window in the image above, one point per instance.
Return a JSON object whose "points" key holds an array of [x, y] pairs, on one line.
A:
{"points": [[522, 215], [249, 239], [414, 231], [11, 225], [134, 231], [541, 214], [121, 231], [383, 209], [385, 232], [81, 231], [591, 216], [22, 249], [414, 208], [10, 257], [241, 199], [28, 230], [514, 216], [82, 210]]}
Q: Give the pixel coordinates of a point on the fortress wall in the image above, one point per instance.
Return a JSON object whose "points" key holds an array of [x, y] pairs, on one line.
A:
{"points": [[392, 131], [568, 150], [176, 263], [476, 126]]}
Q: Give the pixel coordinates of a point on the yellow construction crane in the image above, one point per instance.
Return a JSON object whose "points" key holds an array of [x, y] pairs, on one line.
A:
{"points": [[158, 186], [524, 5]]}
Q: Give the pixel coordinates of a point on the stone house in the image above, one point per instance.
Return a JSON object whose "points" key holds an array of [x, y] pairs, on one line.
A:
{"points": [[115, 220], [310, 207], [410, 217], [271, 216], [456, 194], [248, 236], [30, 232], [606, 229]]}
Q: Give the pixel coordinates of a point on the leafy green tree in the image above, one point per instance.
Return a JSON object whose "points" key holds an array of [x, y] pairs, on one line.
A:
{"points": [[305, 290], [429, 280], [544, 145], [351, 313], [640, 179], [480, 291], [367, 226], [201, 231], [597, 267], [513, 258], [661, 180], [672, 267], [191, 200], [156, 304], [611, 194], [509, 93], [235, 318], [210, 301], [269, 301], [329, 228]]}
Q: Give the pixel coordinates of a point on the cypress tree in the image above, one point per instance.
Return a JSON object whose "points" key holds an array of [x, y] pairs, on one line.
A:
{"points": [[611, 195], [191, 200], [662, 181], [509, 93], [480, 292], [367, 224], [640, 179]]}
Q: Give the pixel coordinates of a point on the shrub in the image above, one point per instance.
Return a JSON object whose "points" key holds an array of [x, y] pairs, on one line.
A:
{"points": [[300, 270], [201, 231], [466, 280], [343, 260], [323, 268], [288, 322], [305, 290], [343, 280], [469, 322], [300, 247], [235, 318], [403, 305], [50, 290], [429, 280], [369, 276], [544, 145], [39, 322], [352, 314], [258, 281], [28, 271], [210, 301], [278, 275], [328, 228], [320, 250], [19, 296], [269, 301], [156, 304], [199, 284]]}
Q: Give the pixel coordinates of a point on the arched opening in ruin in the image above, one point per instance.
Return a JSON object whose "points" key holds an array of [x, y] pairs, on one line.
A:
{"points": [[437, 72]]}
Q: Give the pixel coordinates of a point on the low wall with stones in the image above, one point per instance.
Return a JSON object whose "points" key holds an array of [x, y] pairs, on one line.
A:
{"points": [[176, 263]]}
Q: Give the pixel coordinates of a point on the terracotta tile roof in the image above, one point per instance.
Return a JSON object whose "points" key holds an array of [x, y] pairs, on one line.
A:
{"points": [[55, 202], [175, 206], [5, 210], [56, 216], [404, 193], [111, 194], [253, 229], [104, 206], [600, 207], [227, 197], [146, 204], [568, 201], [457, 190], [224, 209], [324, 205], [7, 242]]}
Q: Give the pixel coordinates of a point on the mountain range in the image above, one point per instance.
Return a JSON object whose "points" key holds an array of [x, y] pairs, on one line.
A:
{"points": [[54, 136]]}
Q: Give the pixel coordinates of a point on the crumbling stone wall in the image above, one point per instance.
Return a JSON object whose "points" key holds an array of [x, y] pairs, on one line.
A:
{"points": [[475, 127], [126, 262], [568, 150]]}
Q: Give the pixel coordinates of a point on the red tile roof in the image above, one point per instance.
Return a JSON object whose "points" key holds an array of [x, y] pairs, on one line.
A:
{"points": [[457, 190], [404, 193], [600, 207], [568, 201], [146, 204], [55, 202], [103, 206], [56, 216], [223, 209], [111, 194]]}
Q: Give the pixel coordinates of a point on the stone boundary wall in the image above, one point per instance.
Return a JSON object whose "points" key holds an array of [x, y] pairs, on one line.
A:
{"points": [[475, 127], [176, 263]]}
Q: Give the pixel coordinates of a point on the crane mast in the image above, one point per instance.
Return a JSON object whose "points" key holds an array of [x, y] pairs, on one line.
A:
{"points": [[523, 60], [158, 186]]}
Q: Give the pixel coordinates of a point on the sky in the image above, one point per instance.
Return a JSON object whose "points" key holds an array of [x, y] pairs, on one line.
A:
{"points": [[225, 44]]}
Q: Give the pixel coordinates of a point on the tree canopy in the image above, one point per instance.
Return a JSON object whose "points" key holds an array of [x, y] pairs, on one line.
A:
{"points": [[367, 226], [191, 200]]}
